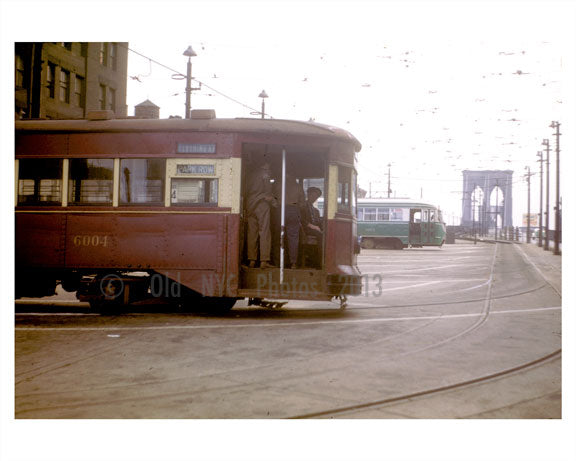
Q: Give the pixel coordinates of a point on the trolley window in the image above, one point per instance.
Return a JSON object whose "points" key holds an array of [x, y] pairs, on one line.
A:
{"points": [[383, 214], [40, 182], [345, 194], [369, 214], [194, 192], [397, 214], [142, 181], [91, 181]]}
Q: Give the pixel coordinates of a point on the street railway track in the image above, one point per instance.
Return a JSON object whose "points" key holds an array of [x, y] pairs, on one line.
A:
{"points": [[428, 392], [285, 318]]}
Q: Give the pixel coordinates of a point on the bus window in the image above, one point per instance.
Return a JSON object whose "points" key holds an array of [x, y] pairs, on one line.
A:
{"points": [[433, 216], [40, 182], [91, 181], [142, 181], [360, 214], [417, 216], [425, 215]]}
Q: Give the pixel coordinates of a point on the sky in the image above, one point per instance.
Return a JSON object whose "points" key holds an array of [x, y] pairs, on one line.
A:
{"points": [[432, 88]]}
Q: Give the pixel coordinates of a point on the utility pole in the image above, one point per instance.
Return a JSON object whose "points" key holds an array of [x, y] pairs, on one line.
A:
{"points": [[263, 95], [528, 236], [190, 53], [557, 214], [496, 214], [474, 214], [546, 144], [389, 190], [541, 197]]}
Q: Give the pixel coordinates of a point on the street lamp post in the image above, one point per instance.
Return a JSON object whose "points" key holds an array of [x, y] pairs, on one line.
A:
{"points": [[190, 53], [263, 95]]}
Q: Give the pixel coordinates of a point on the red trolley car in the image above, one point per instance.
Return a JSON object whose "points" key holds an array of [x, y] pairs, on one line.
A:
{"points": [[119, 210]]}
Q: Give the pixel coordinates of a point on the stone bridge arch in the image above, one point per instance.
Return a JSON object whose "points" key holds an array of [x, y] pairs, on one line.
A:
{"points": [[487, 181]]}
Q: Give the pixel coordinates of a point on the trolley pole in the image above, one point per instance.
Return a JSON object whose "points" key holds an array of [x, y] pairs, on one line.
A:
{"points": [[546, 144], [541, 193], [528, 236], [557, 214]]}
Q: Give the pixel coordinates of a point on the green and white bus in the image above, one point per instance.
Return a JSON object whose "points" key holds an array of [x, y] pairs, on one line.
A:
{"points": [[399, 223]]}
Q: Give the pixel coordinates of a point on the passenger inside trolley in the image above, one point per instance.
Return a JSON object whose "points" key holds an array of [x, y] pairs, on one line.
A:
{"points": [[267, 210]]}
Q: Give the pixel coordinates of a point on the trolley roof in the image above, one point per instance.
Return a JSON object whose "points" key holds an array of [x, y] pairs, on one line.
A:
{"points": [[399, 202], [235, 125]]}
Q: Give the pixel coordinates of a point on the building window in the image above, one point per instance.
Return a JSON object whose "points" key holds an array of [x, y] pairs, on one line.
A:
{"points": [[91, 181], [19, 78], [194, 192], [113, 55], [111, 100], [102, 97], [80, 91], [39, 182], [84, 49], [103, 54], [51, 80], [142, 181], [65, 86]]}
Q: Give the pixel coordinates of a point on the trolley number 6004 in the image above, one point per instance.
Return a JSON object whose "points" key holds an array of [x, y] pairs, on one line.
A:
{"points": [[90, 240]]}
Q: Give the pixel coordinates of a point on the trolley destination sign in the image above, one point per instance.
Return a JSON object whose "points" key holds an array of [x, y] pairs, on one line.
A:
{"points": [[194, 148], [194, 169]]}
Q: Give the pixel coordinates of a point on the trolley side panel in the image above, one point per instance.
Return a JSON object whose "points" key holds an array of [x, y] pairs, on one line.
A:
{"points": [[39, 240], [154, 241]]}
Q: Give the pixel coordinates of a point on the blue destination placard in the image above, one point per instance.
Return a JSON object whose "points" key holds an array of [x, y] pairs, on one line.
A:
{"points": [[185, 148], [195, 169]]}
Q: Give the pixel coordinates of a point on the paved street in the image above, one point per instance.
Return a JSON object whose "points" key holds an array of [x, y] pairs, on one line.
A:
{"points": [[466, 331]]}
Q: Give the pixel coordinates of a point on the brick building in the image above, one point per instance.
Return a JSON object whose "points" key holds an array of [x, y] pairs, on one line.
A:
{"points": [[68, 79]]}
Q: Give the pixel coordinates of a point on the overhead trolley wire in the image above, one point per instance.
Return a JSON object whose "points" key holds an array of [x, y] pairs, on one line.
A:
{"points": [[199, 81]]}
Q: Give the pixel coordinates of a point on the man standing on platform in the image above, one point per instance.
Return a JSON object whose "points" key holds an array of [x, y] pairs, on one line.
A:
{"points": [[259, 200]]}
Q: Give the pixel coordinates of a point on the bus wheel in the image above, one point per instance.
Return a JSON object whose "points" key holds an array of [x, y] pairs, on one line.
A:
{"points": [[368, 244], [398, 245]]}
